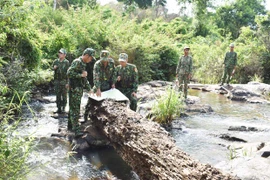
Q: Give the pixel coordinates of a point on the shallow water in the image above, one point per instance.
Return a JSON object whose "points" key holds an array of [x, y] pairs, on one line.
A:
{"points": [[53, 159], [199, 136]]}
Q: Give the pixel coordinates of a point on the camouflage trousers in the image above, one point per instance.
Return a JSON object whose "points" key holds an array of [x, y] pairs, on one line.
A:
{"points": [[75, 96], [133, 100], [183, 83], [61, 94], [227, 75]]}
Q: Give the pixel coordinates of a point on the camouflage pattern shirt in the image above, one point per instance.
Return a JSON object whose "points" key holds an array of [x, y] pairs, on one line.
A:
{"points": [[103, 76], [129, 77], [184, 65], [74, 74], [60, 73], [230, 59]]}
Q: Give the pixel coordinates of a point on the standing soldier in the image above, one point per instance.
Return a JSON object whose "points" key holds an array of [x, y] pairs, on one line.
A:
{"points": [[184, 71], [229, 64], [126, 79], [102, 77], [77, 82], [60, 67]]}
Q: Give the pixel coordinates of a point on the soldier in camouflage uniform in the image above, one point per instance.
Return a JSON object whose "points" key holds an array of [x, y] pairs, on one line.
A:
{"points": [[230, 62], [102, 77], [60, 67], [77, 82], [126, 79], [184, 71]]}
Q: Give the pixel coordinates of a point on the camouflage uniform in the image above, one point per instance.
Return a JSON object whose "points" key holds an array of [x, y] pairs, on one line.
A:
{"points": [[89, 69], [60, 81], [230, 62], [77, 84], [183, 70], [102, 77], [129, 80]]}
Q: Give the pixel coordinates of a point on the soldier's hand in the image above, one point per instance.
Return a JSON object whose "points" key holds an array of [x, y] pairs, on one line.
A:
{"points": [[98, 93], [118, 78], [55, 67], [91, 93], [67, 86], [84, 73], [113, 86]]}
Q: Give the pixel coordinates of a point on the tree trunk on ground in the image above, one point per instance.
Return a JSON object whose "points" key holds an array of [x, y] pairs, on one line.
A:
{"points": [[148, 148]]}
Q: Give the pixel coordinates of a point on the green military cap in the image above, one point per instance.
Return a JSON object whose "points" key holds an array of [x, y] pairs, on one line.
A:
{"points": [[186, 47], [104, 54], [231, 45], [89, 51], [62, 51], [123, 57]]}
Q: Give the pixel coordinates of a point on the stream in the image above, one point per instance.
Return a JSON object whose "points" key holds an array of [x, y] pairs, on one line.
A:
{"points": [[53, 159]]}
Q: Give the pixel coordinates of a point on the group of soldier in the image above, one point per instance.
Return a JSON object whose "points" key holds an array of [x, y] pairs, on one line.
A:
{"points": [[102, 76]]}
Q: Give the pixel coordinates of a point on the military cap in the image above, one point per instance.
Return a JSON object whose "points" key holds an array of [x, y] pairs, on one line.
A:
{"points": [[123, 57], [89, 51], [104, 54], [62, 51], [186, 47], [231, 45]]}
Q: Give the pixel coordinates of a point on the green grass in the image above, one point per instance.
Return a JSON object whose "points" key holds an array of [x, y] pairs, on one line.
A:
{"points": [[14, 149], [168, 106]]}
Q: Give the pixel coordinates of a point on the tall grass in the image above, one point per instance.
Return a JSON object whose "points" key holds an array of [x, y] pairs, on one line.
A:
{"points": [[14, 150], [168, 106]]}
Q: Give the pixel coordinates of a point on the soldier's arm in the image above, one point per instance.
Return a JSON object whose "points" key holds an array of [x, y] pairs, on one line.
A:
{"points": [[235, 61], [73, 71], [136, 79], [190, 66], [96, 76], [225, 59], [178, 67], [115, 75], [54, 65], [87, 85]]}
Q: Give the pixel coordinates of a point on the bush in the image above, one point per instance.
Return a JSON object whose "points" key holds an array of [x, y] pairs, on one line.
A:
{"points": [[168, 106], [14, 150]]}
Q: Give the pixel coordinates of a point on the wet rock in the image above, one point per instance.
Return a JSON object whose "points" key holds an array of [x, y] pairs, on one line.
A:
{"points": [[266, 154], [80, 144], [242, 128], [231, 138], [199, 108]]}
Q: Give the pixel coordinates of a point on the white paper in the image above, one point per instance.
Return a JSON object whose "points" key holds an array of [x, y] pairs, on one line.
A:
{"points": [[110, 94]]}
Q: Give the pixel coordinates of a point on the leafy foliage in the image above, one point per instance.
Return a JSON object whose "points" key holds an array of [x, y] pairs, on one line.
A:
{"points": [[168, 106]]}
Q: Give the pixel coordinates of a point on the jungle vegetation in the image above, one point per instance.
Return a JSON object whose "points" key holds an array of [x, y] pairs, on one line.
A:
{"points": [[32, 32]]}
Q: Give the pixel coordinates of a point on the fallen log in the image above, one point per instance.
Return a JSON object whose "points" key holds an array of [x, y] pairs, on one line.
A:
{"points": [[146, 147]]}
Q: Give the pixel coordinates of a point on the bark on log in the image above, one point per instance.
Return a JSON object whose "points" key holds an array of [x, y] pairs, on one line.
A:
{"points": [[146, 147]]}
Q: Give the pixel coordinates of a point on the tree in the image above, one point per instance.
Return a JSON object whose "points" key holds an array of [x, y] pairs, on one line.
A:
{"points": [[143, 3], [264, 36], [236, 15]]}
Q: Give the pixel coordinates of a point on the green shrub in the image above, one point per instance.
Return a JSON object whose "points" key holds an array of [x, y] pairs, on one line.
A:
{"points": [[14, 150], [168, 106]]}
